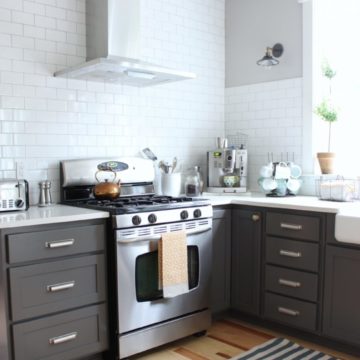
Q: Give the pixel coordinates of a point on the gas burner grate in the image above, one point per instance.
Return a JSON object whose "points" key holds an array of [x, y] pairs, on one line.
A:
{"points": [[138, 201], [135, 204]]}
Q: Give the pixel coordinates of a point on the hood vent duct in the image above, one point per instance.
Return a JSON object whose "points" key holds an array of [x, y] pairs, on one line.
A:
{"points": [[113, 47]]}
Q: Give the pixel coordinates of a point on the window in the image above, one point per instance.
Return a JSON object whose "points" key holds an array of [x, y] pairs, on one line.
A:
{"points": [[336, 31]]}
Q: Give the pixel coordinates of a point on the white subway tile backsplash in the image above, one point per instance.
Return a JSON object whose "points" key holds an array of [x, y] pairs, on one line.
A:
{"points": [[35, 103], [5, 40], [63, 94], [23, 66], [55, 12], [6, 90], [57, 105], [271, 115], [34, 32], [45, 119], [11, 28], [5, 15], [34, 8], [8, 77], [6, 139], [22, 18], [23, 90], [55, 35], [23, 42], [12, 4], [45, 22], [12, 102], [13, 151]]}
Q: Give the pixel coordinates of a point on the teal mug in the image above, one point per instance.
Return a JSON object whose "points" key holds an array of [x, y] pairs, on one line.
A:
{"points": [[281, 189]]}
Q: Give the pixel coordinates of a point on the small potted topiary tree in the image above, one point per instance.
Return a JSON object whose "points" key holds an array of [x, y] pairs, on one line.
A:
{"points": [[327, 112]]}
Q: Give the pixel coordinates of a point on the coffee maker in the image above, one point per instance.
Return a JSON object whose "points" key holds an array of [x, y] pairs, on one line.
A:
{"points": [[227, 170]]}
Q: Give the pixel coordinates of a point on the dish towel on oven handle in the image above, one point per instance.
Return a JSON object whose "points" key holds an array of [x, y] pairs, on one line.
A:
{"points": [[173, 264]]}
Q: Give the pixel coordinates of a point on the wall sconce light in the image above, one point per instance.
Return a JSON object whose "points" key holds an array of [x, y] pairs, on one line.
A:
{"points": [[271, 53]]}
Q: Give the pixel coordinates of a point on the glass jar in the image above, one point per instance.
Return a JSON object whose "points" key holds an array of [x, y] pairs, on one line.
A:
{"points": [[192, 183], [197, 168]]}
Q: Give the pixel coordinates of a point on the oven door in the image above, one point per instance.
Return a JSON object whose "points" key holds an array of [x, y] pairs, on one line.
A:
{"points": [[140, 302]]}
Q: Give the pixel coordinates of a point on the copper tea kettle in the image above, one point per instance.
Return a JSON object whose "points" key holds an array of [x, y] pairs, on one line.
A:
{"points": [[106, 190]]}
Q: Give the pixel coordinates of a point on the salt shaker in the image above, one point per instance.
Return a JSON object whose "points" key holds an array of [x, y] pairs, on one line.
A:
{"points": [[48, 199], [42, 196]]}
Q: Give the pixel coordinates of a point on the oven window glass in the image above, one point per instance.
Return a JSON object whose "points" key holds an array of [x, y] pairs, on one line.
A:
{"points": [[146, 274]]}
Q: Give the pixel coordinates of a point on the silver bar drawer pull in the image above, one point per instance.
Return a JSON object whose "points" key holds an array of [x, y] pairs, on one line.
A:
{"points": [[293, 254], [286, 311], [289, 283], [290, 226], [59, 243], [63, 338], [60, 287]]}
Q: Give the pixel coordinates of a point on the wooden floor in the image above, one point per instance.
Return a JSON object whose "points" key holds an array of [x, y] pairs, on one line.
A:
{"points": [[224, 340]]}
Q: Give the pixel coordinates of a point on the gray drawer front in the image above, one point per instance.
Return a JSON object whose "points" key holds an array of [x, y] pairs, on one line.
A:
{"points": [[292, 283], [60, 285], [54, 243], [293, 226], [295, 313], [76, 334], [291, 253]]}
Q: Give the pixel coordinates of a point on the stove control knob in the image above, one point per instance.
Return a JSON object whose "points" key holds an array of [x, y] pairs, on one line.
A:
{"points": [[152, 218], [19, 203], [184, 215], [136, 220], [197, 213]]}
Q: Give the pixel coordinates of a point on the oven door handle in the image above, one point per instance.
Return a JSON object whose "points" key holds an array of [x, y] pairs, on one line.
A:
{"points": [[131, 239]]}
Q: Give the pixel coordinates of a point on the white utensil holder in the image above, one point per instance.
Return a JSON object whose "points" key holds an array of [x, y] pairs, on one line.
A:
{"points": [[171, 184]]}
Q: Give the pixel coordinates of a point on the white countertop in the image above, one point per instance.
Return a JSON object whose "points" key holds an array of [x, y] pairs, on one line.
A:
{"points": [[307, 203], [48, 215], [63, 213]]}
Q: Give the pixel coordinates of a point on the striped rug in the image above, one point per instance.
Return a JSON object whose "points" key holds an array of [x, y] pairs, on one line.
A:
{"points": [[226, 340], [282, 349]]}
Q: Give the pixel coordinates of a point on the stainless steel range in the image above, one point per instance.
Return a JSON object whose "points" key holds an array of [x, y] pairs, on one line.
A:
{"points": [[145, 319]]}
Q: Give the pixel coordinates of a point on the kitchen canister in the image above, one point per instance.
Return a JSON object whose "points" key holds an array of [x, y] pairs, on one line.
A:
{"points": [[171, 184]]}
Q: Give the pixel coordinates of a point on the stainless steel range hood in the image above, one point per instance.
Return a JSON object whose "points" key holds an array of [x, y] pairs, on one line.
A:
{"points": [[113, 47]]}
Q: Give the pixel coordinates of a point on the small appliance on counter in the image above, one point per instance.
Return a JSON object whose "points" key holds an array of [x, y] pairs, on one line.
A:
{"points": [[227, 168], [14, 195]]}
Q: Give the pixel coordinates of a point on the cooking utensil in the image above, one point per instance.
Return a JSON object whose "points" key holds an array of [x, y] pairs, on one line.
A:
{"points": [[149, 154], [174, 163], [165, 167], [222, 143], [106, 190], [162, 166]]}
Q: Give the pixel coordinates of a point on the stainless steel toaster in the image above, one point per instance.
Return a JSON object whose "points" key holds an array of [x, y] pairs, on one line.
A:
{"points": [[14, 195]]}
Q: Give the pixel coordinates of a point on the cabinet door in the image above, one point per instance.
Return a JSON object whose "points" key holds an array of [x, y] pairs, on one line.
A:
{"points": [[220, 289], [342, 294], [245, 261]]}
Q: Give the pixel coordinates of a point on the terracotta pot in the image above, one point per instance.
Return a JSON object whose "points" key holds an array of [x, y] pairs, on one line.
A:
{"points": [[326, 162]]}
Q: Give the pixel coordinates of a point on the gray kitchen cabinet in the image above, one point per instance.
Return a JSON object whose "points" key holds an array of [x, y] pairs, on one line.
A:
{"points": [[293, 244], [71, 335], [289, 311], [292, 253], [220, 288], [47, 244], [245, 260], [341, 316], [56, 286], [298, 284], [53, 302]]}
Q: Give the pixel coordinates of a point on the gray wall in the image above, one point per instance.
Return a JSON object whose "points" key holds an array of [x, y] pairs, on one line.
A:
{"points": [[251, 26]]}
